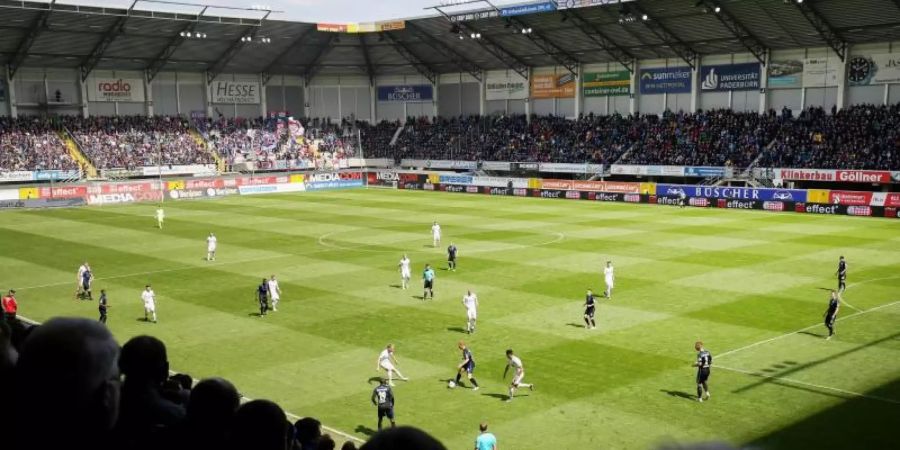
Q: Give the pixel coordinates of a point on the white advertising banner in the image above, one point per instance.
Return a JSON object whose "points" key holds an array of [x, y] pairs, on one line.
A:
{"points": [[669, 171], [496, 165], [240, 92], [820, 72], [115, 90], [502, 182], [9, 194], [505, 87], [877, 69], [571, 168], [16, 175], [192, 169]]}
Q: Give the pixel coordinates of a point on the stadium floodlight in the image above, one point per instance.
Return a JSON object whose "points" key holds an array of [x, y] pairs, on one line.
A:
{"points": [[460, 37], [717, 9], [645, 17], [475, 36], [181, 34], [526, 30]]}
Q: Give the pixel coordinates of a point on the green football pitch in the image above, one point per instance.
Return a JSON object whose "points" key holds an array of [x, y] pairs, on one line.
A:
{"points": [[751, 285]]}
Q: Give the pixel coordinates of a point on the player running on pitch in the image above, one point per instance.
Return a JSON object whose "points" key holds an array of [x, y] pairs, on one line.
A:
{"points": [[262, 296], [467, 365], [435, 234], [274, 292], [518, 373], [160, 217], [451, 257], [388, 362], [842, 275], [704, 361], [149, 299], [383, 398], [831, 313], [405, 273], [590, 307], [609, 278], [470, 301], [79, 280], [211, 243], [428, 279]]}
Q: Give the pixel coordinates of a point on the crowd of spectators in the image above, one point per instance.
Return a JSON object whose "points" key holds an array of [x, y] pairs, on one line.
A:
{"points": [[317, 143], [859, 137], [69, 385], [30, 143], [136, 141]]}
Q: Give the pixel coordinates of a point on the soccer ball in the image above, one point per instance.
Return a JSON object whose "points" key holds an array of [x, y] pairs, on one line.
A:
{"points": [[451, 384]]}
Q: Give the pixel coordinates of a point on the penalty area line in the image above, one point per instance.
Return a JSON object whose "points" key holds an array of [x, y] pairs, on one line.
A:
{"points": [[766, 341], [244, 399], [811, 385]]}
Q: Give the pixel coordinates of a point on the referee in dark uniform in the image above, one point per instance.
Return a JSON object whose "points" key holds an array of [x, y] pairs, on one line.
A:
{"points": [[451, 257], [842, 274], [831, 313], [103, 305], [383, 398], [704, 361], [262, 293], [590, 305]]}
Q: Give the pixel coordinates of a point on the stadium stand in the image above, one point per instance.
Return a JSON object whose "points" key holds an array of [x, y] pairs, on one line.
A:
{"points": [[29, 143]]}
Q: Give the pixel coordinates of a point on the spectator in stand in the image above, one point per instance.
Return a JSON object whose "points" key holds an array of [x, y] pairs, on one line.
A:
{"points": [[210, 413], [402, 438], [307, 432], [349, 445], [67, 379], [147, 417], [10, 306], [29, 143], [261, 425], [326, 443]]}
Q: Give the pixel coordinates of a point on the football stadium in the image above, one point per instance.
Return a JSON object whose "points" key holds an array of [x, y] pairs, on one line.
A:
{"points": [[429, 224]]}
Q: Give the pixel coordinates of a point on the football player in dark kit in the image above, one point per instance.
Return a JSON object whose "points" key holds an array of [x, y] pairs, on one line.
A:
{"points": [[842, 274], [831, 313], [704, 361], [87, 278], [103, 305], [590, 305], [262, 293], [467, 366], [451, 257], [383, 398]]}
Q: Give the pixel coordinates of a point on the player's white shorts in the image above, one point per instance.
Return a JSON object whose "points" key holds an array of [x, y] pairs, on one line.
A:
{"points": [[387, 365], [276, 297], [436, 236], [210, 248], [517, 378], [150, 306], [609, 282], [405, 274], [471, 314]]}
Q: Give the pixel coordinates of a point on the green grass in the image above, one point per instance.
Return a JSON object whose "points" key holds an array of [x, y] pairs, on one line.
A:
{"points": [[731, 278]]}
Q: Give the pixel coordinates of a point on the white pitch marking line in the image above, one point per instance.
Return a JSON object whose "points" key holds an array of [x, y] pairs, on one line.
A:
{"points": [[765, 341], [243, 398], [803, 383], [324, 242], [177, 269]]}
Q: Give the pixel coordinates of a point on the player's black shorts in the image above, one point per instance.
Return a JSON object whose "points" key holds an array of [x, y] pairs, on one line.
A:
{"points": [[86, 285], [829, 320], [429, 284], [702, 375], [589, 311], [451, 258], [263, 300], [469, 368], [386, 412]]}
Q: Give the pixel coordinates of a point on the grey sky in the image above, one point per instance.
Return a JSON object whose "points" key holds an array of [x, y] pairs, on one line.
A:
{"points": [[336, 11]]}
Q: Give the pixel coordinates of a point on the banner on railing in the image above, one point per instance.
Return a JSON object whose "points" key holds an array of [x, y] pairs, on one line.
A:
{"points": [[832, 175], [706, 171], [665, 171], [191, 169], [16, 176], [728, 192], [592, 186], [439, 164]]}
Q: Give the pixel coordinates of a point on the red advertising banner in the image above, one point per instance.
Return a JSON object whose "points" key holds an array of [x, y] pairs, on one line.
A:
{"points": [[121, 188], [892, 199], [206, 183], [864, 176], [849, 197], [595, 186], [63, 192]]}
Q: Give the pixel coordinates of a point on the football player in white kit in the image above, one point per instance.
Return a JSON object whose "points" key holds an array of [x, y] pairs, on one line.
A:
{"points": [[609, 278], [160, 217], [79, 290], [405, 273], [149, 298], [470, 301], [274, 292], [518, 373], [387, 361], [435, 234], [211, 247]]}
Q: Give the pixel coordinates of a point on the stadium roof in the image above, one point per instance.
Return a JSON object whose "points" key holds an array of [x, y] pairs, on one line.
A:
{"points": [[48, 34]]}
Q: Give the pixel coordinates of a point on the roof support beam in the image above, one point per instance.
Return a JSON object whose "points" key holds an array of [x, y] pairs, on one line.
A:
{"points": [[90, 62], [684, 51], [423, 68], [547, 46], [828, 33], [621, 55], [267, 72], [230, 53], [747, 38], [459, 60], [370, 69], [37, 27], [313, 65], [508, 58], [159, 61]]}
